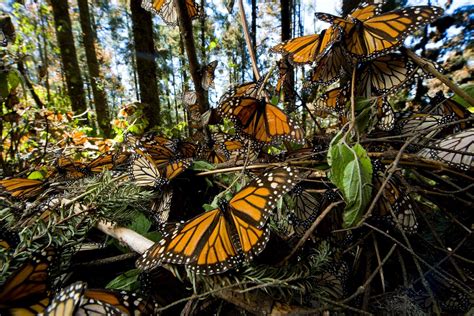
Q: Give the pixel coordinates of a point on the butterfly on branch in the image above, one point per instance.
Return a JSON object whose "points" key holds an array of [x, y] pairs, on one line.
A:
{"points": [[220, 239]]}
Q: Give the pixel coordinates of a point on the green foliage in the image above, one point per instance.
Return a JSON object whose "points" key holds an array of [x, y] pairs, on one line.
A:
{"points": [[8, 82], [127, 281], [351, 172], [469, 89], [289, 281]]}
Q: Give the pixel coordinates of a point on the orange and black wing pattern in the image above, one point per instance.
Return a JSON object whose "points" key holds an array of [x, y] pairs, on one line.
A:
{"points": [[260, 120], [218, 240], [26, 291], [23, 188], [204, 243], [369, 34], [167, 10], [308, 49]]}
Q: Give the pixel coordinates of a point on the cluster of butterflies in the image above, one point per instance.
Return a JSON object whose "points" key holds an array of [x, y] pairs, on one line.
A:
{"points": [[29, 290], [364, 42]]}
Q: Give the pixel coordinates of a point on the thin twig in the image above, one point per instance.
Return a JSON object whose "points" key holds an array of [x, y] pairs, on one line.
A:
{"points": [[428, 67], [245, 27], [362, 288], [308, 233]]}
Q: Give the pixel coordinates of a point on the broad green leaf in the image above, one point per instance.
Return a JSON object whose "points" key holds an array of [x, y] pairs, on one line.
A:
{"points": [[351, 172], [341, 155], [356, 187], [8, 81], [334, 141]]}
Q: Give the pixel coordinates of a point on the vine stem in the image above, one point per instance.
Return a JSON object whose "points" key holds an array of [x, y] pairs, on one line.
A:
{"points": [[428, 67], [247, 40]]}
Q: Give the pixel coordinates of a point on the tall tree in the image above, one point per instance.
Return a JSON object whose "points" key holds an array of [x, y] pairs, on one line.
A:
{"points": [[69, 61], [98, 91], [146, 68], [288, 85]]}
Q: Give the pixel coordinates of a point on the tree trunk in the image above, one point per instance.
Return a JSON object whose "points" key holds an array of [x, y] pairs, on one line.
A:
{"points": [[72, 72], [186, 29], [288, 85], [43, 21], [253, 31], [100, 97], [146, 68]]}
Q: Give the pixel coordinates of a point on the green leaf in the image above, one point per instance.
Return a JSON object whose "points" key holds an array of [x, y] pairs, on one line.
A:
{"points": [[351, 172], [333, 143], [8, 81], [211, 46], [126, 281], [356, 187], [140, 224], [201, 165], [339, 156], [36, 175], [469, 89]]}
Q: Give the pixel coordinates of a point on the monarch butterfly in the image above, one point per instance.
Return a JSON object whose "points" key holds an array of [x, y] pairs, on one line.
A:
{"points": [[190, 97], [70, 169], [426, 126], [145, 172], [161, 206], [309, 48], [330, 67], [393, 199], [106, 161], [260, 120], [222, 148], [456, 150], [23, 188], [285, 79], [219, 240], [26, 291], [167, 10], [208, 75], [385, 115], [440, 105], [385, 74], [334, 280], [248, 89], [77, 299], [369, 34], [333, 101], [194, 114], [450, 298], [304, 208], [8, 239], [164, 150]]}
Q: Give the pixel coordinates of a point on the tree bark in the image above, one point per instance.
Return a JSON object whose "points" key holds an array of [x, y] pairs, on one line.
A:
{"points": [[146, 67], [100, 97], [186, 29], [289, 83], [72, 72], [253, 31]]}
